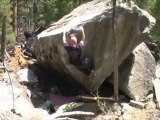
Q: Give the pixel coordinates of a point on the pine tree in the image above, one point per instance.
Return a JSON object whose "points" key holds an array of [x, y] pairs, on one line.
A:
{"points": [[42, 13], [5, 6], [15, 3]]}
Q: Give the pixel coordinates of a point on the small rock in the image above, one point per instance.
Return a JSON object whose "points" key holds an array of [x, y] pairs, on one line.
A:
{"points": [[27, 76], [116, 109], [137, 104], [126, 107]]}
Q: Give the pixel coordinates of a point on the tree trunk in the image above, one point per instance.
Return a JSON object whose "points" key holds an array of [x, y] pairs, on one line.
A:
{"points": [[15, 16], [4, 36], [115, 57], [18, 17]]}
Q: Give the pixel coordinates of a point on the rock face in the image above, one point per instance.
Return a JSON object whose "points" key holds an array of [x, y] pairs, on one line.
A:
{"points": [[27, 76], [158, 69], [133, 26], [137, 72]]}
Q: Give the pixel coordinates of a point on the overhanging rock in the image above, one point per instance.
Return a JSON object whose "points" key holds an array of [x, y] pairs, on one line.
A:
{"points": [[133, 26]]}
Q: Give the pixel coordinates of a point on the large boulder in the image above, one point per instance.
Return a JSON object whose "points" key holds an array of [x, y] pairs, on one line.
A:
{"points": [[132, 24], [137, 73]]}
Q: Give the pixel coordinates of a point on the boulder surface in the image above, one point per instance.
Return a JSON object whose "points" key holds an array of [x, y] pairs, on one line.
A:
{"points": [[137, 73], [132, 25]]}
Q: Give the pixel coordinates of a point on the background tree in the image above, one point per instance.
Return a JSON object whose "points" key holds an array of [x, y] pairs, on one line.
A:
{"points": [[15, 3], [152, 6], [36, 13], [4, 32], [5, 5]]}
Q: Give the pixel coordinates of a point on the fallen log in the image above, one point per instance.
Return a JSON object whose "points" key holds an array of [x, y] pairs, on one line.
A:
{"points": [[133, 27]]}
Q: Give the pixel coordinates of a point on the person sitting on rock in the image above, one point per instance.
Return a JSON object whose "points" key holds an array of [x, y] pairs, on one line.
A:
{"points": [[73, 42], [74, 38]]}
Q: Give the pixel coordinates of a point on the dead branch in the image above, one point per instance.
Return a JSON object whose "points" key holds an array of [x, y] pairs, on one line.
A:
{"points": [[75, 113], [95, 98], [66, 118]]}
